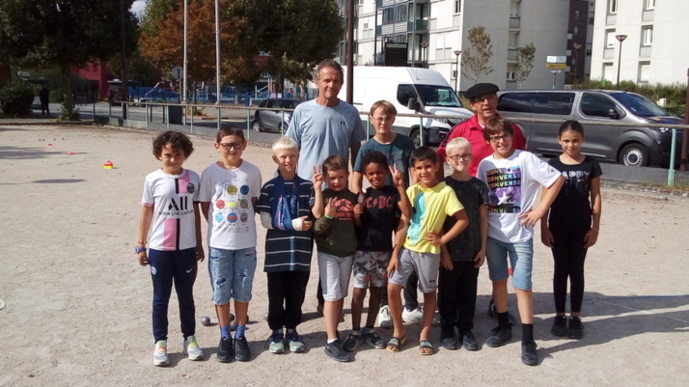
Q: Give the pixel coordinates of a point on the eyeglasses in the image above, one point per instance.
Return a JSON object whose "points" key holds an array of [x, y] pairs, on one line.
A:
{"points": [[456, 158], [503, 137], [230, 145]]}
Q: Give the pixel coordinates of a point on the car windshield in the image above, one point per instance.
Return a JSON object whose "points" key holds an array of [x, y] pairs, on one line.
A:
{"points": [[432, 95], [639, 105], [288, 103]]}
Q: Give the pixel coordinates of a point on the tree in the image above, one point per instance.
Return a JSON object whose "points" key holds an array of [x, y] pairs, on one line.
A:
{"points": [[475, 58], [62, 33], [525, 58]]}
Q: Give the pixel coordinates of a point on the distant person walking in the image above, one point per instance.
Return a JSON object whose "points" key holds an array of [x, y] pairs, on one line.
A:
{"points": [[110, 96], [44, 96]]}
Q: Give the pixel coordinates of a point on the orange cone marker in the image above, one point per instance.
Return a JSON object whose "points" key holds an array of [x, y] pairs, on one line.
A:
{"points": [[107, 165]]}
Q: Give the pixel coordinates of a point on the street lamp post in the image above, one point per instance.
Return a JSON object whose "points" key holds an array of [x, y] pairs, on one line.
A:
{"points": [[621, 39], [457, 53], [424, 53]]}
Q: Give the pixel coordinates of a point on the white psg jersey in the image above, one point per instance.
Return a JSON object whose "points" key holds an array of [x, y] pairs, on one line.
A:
{"points": [[172, 198]]}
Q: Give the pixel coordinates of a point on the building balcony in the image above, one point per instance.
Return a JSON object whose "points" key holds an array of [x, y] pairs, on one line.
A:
{"points": [[609, 53], [421, 25]]}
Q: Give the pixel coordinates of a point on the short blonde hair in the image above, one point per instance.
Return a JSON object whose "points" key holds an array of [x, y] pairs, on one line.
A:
{"points": [[458, 143], [285, 143]]}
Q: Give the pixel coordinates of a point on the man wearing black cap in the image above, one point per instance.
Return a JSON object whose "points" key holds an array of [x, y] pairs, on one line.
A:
{"points": [[484, 103]]}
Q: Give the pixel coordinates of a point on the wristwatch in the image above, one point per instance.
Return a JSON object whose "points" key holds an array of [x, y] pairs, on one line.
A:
{"points": [[138, 249]]}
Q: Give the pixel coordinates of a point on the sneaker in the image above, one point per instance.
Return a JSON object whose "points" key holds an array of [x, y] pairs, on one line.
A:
{"points": [[447, 339], [371, 338], [296, 344], [559, 328], [412, 317], [277, 342], [499, 336], [191, 349], [576, 328], [241, 349], [225, 352], [529, 354], [160, 354], [336, 352], [384, 320], [468, 341], [352, 342]]}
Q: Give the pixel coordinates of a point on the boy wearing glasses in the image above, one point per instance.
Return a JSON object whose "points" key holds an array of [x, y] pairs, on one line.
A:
{"points": [[514, 179], [458, 282], [229, 191]]}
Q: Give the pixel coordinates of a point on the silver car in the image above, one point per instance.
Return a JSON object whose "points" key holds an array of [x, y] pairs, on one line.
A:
{"points": [[270, 118]]}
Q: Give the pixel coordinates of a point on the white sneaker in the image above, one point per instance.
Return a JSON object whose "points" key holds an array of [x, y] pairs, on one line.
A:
{"points": [[191, 349], [413, 317], [384, 320], [160, 354]]}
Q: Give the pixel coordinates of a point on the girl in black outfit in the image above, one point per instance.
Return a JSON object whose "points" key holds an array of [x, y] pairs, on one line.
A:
{"points": [[572, 226]]}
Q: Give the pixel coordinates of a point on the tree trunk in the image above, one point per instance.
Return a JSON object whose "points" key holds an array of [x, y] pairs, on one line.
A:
{"points": [[68, 103]]}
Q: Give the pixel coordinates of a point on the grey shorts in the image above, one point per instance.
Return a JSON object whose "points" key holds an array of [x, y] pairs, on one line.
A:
{"points": [[334, 272], [426, 266], [370, 267]]}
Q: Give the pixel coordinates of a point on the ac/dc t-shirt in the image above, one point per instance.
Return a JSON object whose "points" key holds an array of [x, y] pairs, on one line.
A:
{"points": [[172, 198], [572, 206], [379, 219]]}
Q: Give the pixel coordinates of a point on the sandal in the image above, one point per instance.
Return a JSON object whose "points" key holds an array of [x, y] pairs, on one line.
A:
{"points": [[395, 344], [426, 348]]}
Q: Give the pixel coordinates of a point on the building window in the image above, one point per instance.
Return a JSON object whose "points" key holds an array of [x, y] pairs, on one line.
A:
{"points": [[576, 14], [612, 6], [608, 74], [443, 46], [647, 36], [644, 71], [458, 6], [649, 4], [575, 31], [610, 40]]}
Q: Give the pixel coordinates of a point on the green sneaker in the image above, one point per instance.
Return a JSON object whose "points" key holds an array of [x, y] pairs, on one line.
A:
{"points": [[296, 344], [277, 342], [191, 349]]}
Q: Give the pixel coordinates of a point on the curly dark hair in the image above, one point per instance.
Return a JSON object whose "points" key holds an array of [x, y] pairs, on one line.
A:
{"points": [[177, 140], [374, 157]]}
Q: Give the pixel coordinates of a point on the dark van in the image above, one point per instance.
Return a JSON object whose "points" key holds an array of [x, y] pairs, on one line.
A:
{"points": [[634, 146]]}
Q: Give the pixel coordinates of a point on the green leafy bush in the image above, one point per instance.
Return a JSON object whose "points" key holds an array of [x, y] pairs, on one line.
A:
{"points": [[66, 115], [16, 99]]}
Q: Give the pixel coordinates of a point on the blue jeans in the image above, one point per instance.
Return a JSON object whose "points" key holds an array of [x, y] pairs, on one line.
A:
{"points": [[521, 261], [232, 274], [168, 267]]}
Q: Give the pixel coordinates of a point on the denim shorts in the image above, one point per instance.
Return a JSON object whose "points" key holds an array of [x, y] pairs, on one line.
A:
{"points": [[334, 273], [232, 274], [521, 261]]}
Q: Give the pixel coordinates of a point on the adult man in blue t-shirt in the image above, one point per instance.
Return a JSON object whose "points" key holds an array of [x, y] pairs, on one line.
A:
{"points": [[325, 126]]}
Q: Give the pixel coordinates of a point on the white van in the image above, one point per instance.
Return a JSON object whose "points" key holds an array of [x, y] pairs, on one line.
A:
{"points": [[413, 91]]}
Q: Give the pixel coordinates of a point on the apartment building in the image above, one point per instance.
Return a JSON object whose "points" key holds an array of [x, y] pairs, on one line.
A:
{"points": [[434, 33], [640, 41]]}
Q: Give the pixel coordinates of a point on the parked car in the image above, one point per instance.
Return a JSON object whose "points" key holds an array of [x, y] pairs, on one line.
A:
{"points": [[271, 120], [629, 145]]}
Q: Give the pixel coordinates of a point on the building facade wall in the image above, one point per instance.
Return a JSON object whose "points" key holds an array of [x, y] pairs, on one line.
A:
{"points": [[652, 51]]}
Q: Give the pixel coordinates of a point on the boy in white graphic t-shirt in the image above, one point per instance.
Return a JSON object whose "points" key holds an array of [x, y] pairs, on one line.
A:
{"points": [[170, 218], [514, 178], [229, 192]]}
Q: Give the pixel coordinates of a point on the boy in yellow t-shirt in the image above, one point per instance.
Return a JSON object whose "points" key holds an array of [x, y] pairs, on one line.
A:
{"points": [[432, 202]]}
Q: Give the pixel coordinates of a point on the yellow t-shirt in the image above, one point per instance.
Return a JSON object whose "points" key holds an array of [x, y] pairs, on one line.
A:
{"points": [[430, 208]]}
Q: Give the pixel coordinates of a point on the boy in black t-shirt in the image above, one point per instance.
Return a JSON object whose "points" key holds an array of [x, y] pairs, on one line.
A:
{"points": [[458, 284], [382, 210]]}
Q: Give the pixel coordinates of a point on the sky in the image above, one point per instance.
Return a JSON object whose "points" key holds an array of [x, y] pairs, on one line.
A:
{"points": [[138, 7]]}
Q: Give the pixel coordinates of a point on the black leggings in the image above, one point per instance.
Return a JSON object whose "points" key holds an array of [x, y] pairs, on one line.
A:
{"points": [[569, 254]]}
